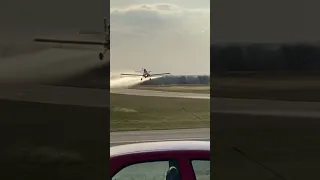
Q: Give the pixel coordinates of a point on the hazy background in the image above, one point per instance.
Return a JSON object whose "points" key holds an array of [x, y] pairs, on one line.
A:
{"points": [[162, 36], [290, 27], [35, 17], [264, 21]]}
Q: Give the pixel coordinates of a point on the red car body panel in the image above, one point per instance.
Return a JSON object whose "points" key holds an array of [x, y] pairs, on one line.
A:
{"points": [[183, 155]]}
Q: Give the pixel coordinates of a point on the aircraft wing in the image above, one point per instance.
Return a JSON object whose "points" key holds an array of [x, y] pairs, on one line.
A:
{"points": [[131, 74], [70, 41], [159, 74]]}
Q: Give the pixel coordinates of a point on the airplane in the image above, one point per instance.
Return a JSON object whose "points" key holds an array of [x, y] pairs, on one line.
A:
{"points": [[105, 43], [145, 74]]}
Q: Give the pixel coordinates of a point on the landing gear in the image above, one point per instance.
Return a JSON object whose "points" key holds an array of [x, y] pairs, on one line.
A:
{"points": [[141, 79], [150, 79], [101, 55]]}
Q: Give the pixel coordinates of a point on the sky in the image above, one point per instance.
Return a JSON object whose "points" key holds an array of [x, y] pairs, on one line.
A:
{"points": [[22, 20], [161, 36], [265, 21]]}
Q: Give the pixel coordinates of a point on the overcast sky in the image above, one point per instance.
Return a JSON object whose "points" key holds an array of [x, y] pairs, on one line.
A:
{"points": [[265, 20], [25, 19], [161, 36]]}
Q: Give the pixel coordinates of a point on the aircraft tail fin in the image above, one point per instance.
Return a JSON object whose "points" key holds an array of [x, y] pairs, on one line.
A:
{"points": [[106, 29], [105, 32]]}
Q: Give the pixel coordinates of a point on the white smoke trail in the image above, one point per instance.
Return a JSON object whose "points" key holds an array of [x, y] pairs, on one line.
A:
{"points": [[118, 81]]}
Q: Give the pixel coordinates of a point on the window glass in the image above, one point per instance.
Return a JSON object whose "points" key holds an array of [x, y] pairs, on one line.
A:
{"points": [[157, 170], [201, 169]]}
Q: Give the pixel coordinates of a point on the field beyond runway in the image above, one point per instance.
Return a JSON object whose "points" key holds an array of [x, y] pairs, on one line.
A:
{"points": [[133, 112]]}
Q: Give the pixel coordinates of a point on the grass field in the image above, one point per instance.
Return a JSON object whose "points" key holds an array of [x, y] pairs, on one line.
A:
{"points": [[177, 88], [146, 113]]}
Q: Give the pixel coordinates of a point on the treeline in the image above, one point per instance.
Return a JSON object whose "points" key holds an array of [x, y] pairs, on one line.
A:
{"points": [[181, 80], [265, 57]]}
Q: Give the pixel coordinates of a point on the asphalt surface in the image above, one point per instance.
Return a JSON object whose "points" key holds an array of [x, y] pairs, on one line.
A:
{"points": [[75, 96], [98, 98], [48, 65], [118, 138], [55, 95], [160, 93], [266, 107]]}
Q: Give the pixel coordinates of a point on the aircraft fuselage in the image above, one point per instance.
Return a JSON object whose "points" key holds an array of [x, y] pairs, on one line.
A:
{"points": [[146, 75]]}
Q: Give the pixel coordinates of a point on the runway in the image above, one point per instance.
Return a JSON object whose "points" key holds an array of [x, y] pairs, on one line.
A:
{"points": [[160, 93], [118, 138], [72, 95], [55, 95], [47, 65], [99, 98], [266, 107]]}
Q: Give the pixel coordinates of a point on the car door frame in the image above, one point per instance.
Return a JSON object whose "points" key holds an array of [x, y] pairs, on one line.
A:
{"points": [[194, 155], [183, 158]]}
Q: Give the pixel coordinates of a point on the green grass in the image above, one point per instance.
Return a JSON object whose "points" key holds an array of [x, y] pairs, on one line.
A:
{"points": [[205, 89], [147, 113]]}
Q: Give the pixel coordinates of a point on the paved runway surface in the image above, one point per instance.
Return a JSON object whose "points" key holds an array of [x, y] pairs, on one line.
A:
{"points": [[117, 138], [55, 95], [71, 95], [98, 98], [266, 107], [47, 65], [160, 93]]}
